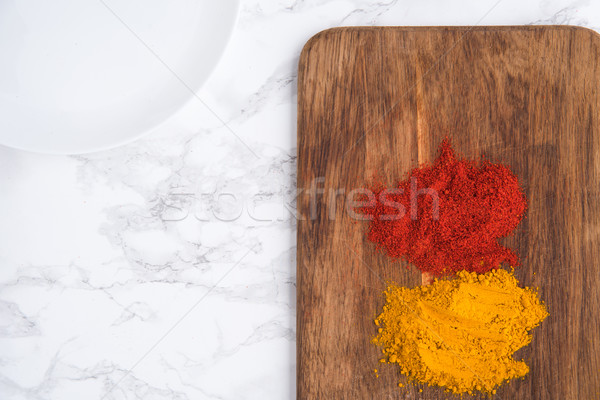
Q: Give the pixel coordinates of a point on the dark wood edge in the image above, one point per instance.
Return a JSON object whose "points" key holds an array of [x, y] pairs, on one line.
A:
{"points": [[491, 28]]}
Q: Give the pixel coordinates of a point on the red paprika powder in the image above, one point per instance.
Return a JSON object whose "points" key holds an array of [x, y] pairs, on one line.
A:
{"points": [[448, 216]]}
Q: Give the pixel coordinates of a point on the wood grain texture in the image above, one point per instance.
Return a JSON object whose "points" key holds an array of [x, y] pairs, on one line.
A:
{"points": [[379, 101]]}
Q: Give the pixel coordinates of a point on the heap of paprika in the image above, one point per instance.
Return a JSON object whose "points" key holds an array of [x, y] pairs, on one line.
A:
{"points": [[448, 216]]}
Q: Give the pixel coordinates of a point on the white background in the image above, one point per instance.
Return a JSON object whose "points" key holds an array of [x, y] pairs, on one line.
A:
{"points": [[120, 278]]}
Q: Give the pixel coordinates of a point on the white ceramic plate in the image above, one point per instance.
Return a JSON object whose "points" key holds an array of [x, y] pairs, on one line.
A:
{"points": [[83, 75]]}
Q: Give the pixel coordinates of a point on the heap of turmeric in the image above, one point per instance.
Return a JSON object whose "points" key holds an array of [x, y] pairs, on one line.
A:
{"points": [[459, 333]]}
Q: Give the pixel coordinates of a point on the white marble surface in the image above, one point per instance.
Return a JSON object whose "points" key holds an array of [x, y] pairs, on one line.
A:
{"points": [[165, 269]]}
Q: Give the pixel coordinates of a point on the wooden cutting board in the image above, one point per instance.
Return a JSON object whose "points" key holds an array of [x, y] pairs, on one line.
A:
{"points": [[378, 101]]}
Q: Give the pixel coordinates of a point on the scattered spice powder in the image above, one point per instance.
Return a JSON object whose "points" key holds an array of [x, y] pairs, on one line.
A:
{"points": [[460, 333], [448, 216]]}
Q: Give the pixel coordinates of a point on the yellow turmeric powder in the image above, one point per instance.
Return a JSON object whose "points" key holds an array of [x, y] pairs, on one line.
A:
{"points": [[459, 333]]}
